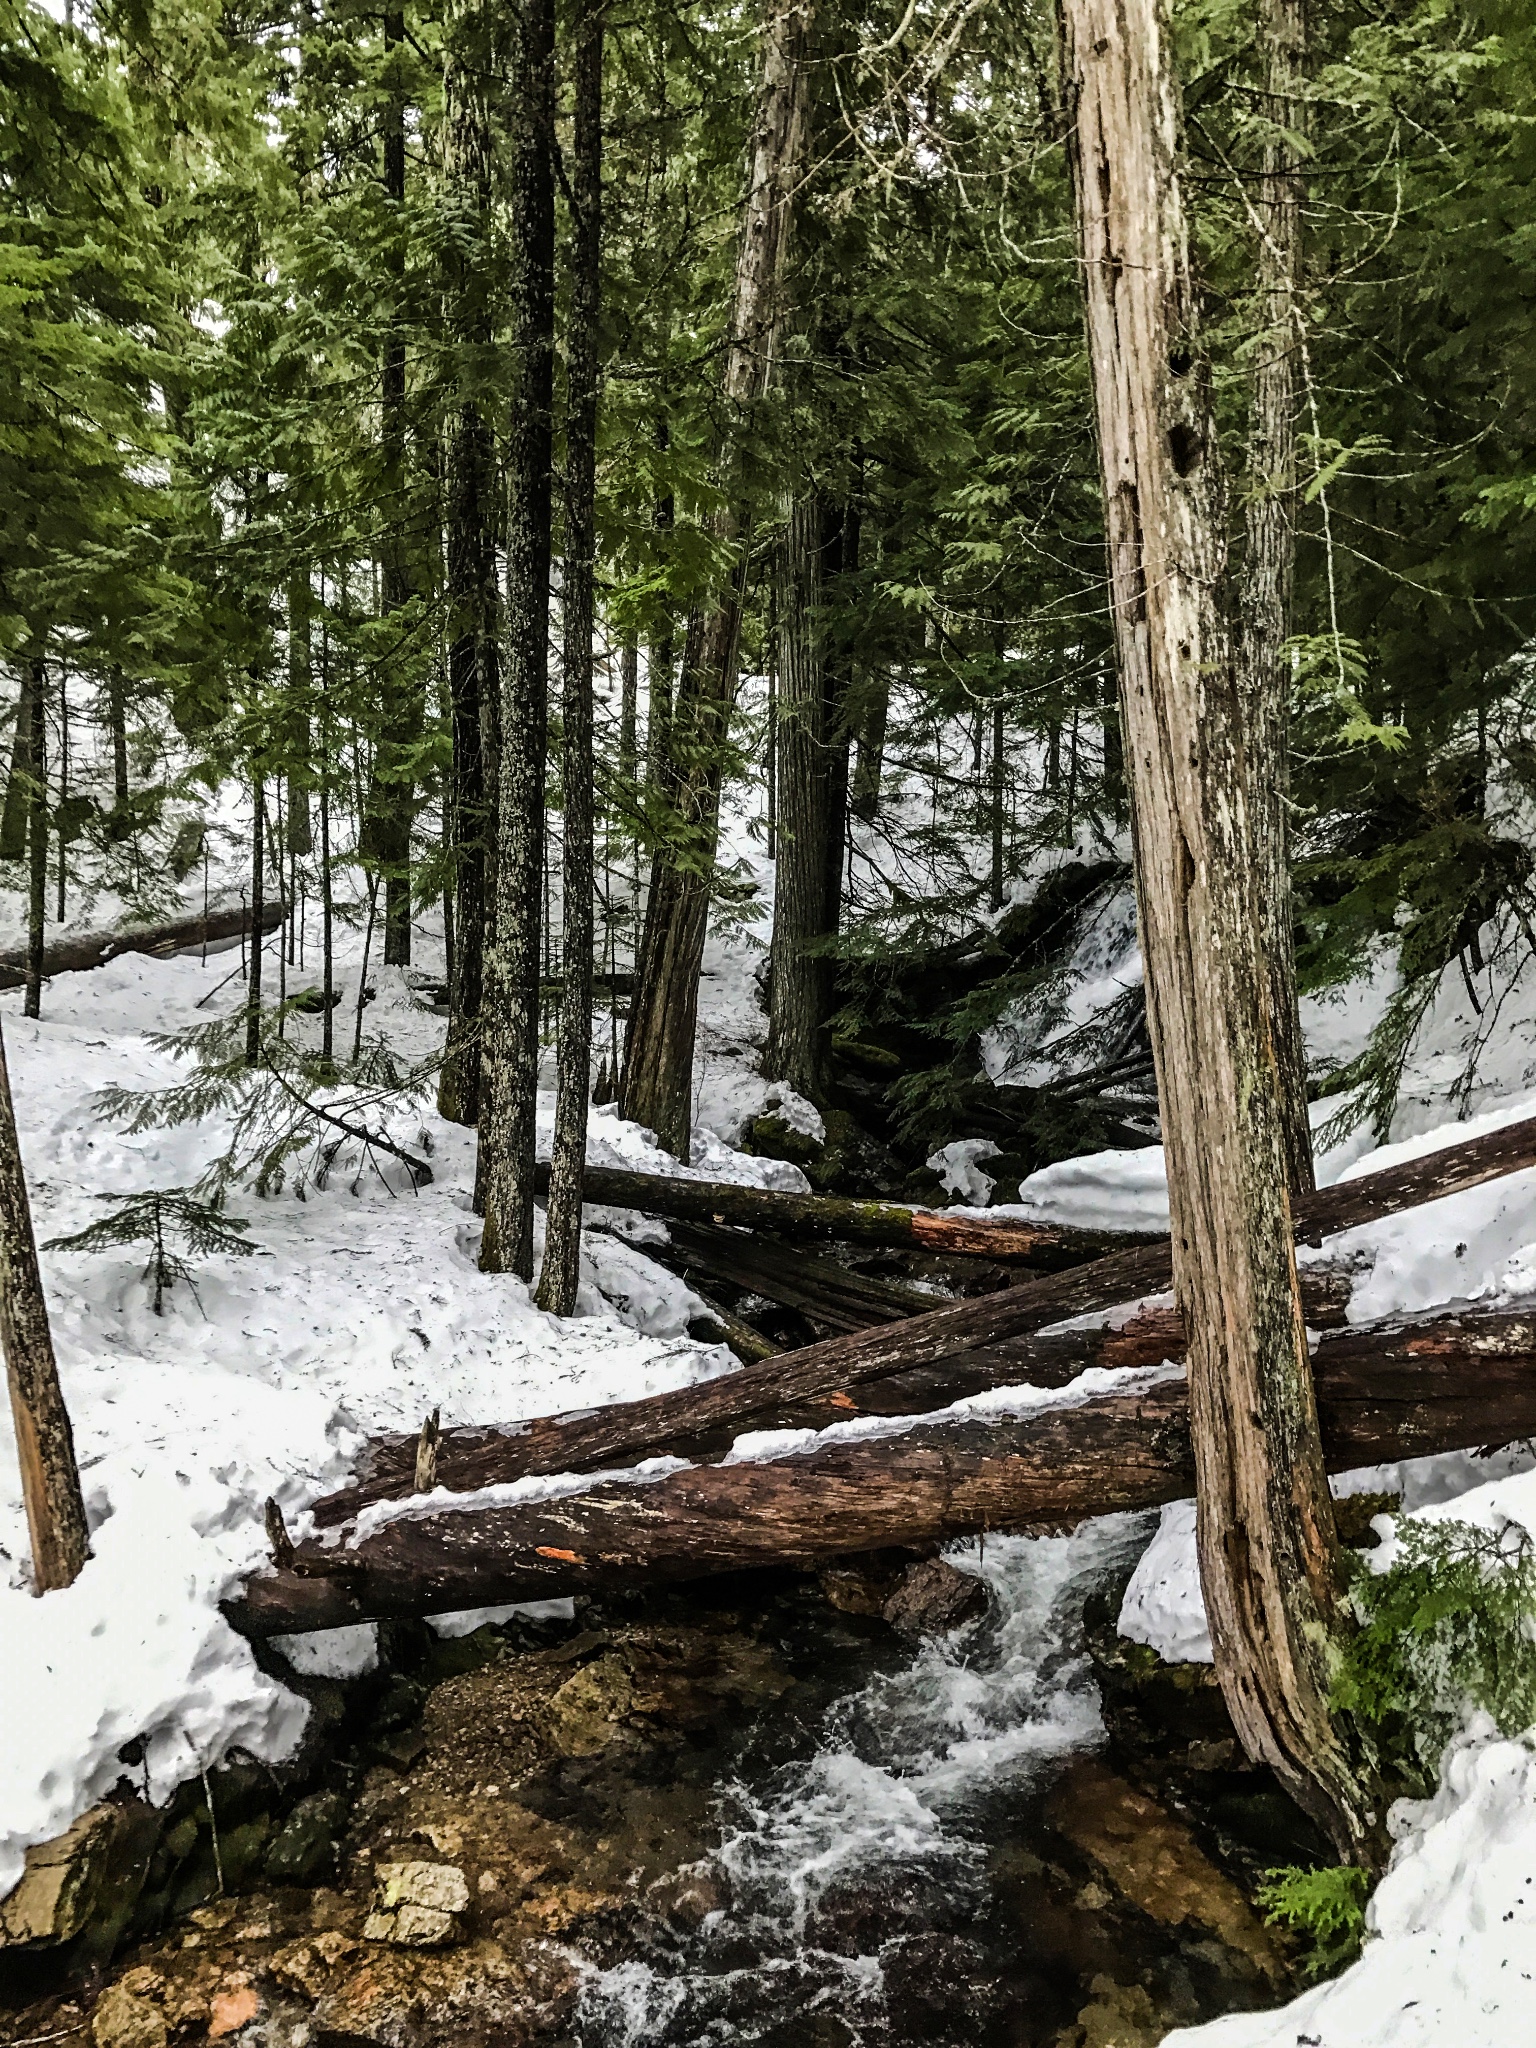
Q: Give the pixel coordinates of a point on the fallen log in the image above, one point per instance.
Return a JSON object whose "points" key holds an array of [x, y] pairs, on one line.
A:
{"points": [[995, 1328], [971, 1233], [818, 1287], [1453, 1383], [95, 949]]}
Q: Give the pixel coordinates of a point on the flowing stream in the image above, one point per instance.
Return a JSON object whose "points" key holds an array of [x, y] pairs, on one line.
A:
{"points": [[856, 1884]]}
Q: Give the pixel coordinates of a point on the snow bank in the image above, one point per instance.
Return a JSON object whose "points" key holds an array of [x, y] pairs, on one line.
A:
{"points": [[1451, 1958]]}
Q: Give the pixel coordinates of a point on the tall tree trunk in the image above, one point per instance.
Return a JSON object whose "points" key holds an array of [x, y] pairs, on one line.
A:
{"points": [[1268, 1547], [391, 795], [45, 1446], [999, 803], [473, 652], [629, 714], [658, 1052], [18, 788], [562, 1217], [510, 1017], [258, 905], [1270, 558], [37, 835]]}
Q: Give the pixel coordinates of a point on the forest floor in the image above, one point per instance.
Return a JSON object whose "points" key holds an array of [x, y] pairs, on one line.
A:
{"points": [[365, 1310]]}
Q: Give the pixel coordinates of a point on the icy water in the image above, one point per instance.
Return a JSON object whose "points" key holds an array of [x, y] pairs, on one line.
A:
{"points": [[858, 1886]]}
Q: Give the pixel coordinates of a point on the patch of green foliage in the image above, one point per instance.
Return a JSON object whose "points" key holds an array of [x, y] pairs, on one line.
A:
{"points": [[1446, 1627], [1325, 1907]]}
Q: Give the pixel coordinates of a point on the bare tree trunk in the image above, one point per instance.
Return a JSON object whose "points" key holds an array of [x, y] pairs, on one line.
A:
{"points": [[37, 836], [561, 1269], [117, 718], [510, 1019], [658, 1053], [629, 713], [1268, 1547], [472, 595], [1270, 558], [45, 1446]]}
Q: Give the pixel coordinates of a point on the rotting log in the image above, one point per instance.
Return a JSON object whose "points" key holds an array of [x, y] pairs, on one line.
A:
{"points": [[827, 1292], [178, 935], [997, 1327], [1453, 1383], [971, 1233]]}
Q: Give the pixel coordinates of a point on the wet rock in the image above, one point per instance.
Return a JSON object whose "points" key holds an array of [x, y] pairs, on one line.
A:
{"points": [[932, 1598], [1118, 2016], [304, 1848], [309, 1967], [463, 1999], [1153, 1860], [123, 2019], [233, 2006], [585, 1714], [60, 1884], [417, 1905]]}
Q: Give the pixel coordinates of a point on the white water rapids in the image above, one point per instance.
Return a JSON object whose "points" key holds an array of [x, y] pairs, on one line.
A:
{"points": [[882, 1831]]}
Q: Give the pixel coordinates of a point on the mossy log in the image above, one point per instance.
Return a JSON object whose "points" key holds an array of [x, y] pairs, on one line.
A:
{"points": [[962, 1346], [1450, 1383], [970, 1233]]}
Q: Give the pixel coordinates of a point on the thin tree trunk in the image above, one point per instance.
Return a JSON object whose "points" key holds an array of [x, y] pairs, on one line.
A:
{"points": [[561, 1269], [258, 909], [510, 1027], [1268, 1546], [869, 761], [999, 799], [391, 796], [45, 1446], [658, 1054], [300, 831], [629, 714], [472, 593], [117, 718], [37, 837], [1270, 558]]}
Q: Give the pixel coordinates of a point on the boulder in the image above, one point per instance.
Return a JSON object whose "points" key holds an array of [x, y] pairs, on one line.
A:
{"points": [[122, 2019], [933, 1598], [417, 1905], [61, 1883]]}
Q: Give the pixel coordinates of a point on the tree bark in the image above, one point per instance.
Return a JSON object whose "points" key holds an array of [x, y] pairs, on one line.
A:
{"points": [[45, 1445], [657, 1088], [510, 1018], [1268, 1548], [300, 832], [473, 653], [1452, 1384], [561, 1269], [1269, 563], [985, 1342]]}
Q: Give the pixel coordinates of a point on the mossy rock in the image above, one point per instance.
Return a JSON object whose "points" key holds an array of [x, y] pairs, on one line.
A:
{"points": [[304, 1849]]}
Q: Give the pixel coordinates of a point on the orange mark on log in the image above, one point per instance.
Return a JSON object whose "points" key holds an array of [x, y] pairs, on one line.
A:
{"points": [[841, 1401], [561, 1556]]}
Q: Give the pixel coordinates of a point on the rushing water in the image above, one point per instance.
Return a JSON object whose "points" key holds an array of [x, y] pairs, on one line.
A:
{"points": [[835, 1870]]}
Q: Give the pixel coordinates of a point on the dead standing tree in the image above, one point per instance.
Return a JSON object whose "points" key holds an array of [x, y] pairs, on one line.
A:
{"points": [[1268, 1546]]}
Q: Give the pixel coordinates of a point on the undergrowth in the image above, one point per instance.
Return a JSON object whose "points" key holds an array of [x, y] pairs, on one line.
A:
{"points": [[1449, 1627]]}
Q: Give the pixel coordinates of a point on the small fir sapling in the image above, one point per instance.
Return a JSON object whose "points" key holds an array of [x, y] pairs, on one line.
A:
{"points": [[139, 1219]]}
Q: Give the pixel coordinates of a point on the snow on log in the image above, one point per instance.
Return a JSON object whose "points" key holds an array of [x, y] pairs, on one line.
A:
{"points": [[963, 1346], [95, 949], [1019, 1460]]}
